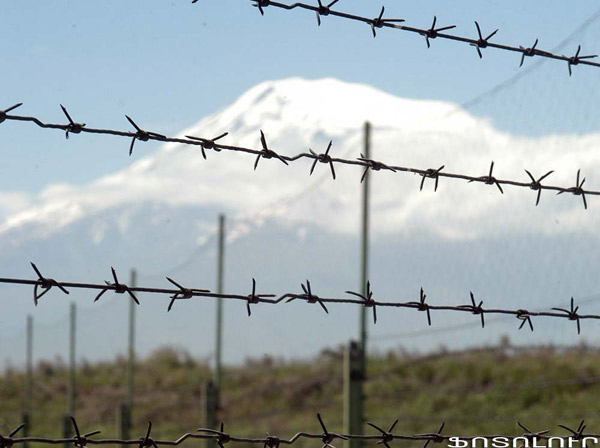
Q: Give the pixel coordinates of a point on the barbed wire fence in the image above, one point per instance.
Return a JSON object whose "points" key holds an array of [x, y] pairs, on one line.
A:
{"points": [[220, 437], [534, 182], [433, 32], [42, 285]]}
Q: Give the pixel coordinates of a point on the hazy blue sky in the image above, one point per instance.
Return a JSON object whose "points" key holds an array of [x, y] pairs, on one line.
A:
{"points": [[169, 63]]}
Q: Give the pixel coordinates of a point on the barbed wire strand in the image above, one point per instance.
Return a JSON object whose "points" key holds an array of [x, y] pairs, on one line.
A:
{"points": [[462, 325], [42, 285], [533, 183], [433, 32], [326, 437]]}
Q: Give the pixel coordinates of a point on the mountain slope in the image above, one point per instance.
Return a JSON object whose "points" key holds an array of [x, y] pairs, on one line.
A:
{"points": [[284, 226], [297, 114]]}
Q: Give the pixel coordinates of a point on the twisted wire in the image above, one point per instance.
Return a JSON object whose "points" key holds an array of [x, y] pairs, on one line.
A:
{"points": [[326, 437], [432, 32], [534, 183], [42, 285]]}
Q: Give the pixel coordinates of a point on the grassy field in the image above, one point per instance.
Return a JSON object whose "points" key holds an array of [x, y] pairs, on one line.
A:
{"points": [[475, 391]]}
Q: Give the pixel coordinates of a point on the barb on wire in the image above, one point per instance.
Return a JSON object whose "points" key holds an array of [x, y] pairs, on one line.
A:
{"points": [[272, 441], [118, 288], [309, 297], [476, 309], [482, 43], [373, 165], [45, 284], [536, 185], [366, 300], [323, 158], [147, 441], [141, 135], [489, 179], [431, 174], [572, 314], [72, 127], [7, 441], [328, 437], [576, 59], [183, 293], [524, 316], [432, 32], [421, 305], [577, 190], [379, 21], [81, 441], [386, 436], [267, 153], [362, 162], [529, 52], [435, 437], [255, 298], [530, 434], [221, 438], [260, 4], [578, 433], [3, 113], [208, 143], [324, 10]]}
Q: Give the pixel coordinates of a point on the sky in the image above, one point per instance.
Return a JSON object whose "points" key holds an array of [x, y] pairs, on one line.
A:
{"points": [[169, 63]]}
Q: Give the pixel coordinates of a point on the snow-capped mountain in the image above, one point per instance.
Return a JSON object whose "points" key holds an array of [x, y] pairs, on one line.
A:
{"points": [[159, 215]]}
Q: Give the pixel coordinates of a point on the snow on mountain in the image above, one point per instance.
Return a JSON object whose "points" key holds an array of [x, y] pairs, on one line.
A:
{"points": [[159, 215], [296, 114]]}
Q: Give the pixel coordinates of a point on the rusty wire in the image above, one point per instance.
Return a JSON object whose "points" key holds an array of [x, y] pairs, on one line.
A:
{"points": [[433, 32], [326, 437], [266, 152], [475, 307]]}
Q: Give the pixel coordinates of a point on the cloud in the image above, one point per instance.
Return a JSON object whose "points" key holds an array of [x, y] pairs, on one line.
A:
{"points": [[12, 202], [414, 133]]}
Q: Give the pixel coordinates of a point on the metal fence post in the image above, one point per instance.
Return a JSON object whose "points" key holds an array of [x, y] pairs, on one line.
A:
{"points": [[211, 402], [353, 378], [66, 430], [131, 349], [26, 427], [123, 423], [28, 380], [356, 415], [219, 326], [72, 364]]}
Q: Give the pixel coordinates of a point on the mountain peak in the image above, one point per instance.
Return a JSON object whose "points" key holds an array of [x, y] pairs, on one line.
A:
{"points": [[329, 104], [297, 114]]}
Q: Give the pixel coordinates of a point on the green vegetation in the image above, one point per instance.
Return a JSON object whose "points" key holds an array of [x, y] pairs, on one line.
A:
{"points": [[476, 391]]}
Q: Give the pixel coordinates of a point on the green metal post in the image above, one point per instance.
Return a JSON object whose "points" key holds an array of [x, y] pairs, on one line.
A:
{"points": [[355, 397], [28, 380], [72, 330], [210, 411], [66, 429], [352, 389], [212, 393], [219, 335], [131, 358], [26, 428], [123, 423], [364, 269]]}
